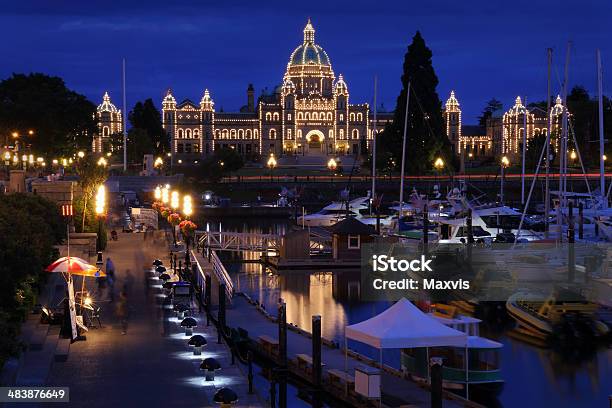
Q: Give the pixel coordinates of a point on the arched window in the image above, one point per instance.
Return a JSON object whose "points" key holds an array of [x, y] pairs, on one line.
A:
{"points": [[180, 133], [341, 117], [355, 134], [196, 133], [225, 133], [272, 134], [256, 133], [352, 117], [359, 117], [268, 116], [288, 133], [275, 116], [233, 134], [331, 134], [329, 116], [300, 116], [105, 131], [315, 116], [299, 134], [188, 134], [248, 133], [217, 134], [307, 116], [288, 116], [341, 133], [240, 134]]}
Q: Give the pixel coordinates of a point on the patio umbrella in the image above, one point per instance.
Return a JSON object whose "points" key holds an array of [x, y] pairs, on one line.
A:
{"points": [[75, 266], [164, 276], [225, 396], [160, 269], [157, 262]]}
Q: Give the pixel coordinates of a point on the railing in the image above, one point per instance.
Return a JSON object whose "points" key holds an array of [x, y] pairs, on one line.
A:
{"points": [[238, 241], [218, 269]]}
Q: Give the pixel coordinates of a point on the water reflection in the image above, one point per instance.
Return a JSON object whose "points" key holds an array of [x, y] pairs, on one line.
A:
{"points": [[534, 377]]}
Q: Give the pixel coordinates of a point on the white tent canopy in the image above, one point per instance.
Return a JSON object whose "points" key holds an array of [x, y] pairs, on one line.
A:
{"points": [[403, 325]]}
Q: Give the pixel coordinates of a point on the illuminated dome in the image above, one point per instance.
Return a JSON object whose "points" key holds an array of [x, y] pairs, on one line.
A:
{"points": [[106, 105], [341, 87], [309, 67], [309, 53]]}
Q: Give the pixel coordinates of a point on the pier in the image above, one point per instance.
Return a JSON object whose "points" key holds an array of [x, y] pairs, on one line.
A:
{"points": [[262, 330]]}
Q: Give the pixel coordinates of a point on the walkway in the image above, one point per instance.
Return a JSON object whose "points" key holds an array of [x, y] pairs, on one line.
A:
{"points": [[151, 365], [245, 315]]}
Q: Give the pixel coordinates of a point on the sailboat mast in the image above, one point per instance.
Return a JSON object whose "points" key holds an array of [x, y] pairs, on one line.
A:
{"points": [[547, 179], [401, 195], [602, 179], [374, 148], [124, 119], [524, 150], [563, 152]]}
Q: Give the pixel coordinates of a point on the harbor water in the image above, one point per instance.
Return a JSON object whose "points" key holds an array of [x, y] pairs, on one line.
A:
{"points": [[534, 377]]}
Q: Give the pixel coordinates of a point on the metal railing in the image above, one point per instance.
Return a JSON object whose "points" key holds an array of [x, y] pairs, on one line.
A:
{"points": [[238, 241], [218, 269]]}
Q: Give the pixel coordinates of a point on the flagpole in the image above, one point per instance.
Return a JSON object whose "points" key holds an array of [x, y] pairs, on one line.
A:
{"points": [[374, 148]]}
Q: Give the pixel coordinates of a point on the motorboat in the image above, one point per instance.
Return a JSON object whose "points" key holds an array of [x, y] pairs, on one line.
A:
{"points": [[337, 211]]}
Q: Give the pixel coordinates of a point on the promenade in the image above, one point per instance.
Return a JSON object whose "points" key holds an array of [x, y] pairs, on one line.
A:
{"points": [[149, 366]]}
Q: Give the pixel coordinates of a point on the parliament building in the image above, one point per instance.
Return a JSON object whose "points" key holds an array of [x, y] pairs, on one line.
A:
{"points": [[309, 114]]}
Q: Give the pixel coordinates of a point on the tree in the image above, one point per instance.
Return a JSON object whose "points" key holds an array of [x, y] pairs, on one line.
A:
{"points": [[138, 144], [145, 116], [492, 106], [213, 168], [426, 138], [62, 120], [91, 176]]}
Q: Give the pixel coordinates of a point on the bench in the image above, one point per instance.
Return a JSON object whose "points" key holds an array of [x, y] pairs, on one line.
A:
{"points": [[62, 349], [339, 378], [269, 344]]}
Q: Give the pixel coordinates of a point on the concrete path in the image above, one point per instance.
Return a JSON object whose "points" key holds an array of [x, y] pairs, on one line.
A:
{"points": [[149, 366]]}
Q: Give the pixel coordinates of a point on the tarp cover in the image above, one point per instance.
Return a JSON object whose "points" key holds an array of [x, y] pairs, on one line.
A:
{"points": [[403, 325]]}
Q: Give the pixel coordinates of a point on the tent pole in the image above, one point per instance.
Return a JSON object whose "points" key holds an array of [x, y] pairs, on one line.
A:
{"points": [[381, 376], [467, 375], [428, 369], [345, 362]]}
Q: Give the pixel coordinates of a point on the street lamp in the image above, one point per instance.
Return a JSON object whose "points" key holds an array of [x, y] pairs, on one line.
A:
{"points": [[187, 206], [174, 200], [158, 193], [100, 203], [158, 163], [165, 194], [439, 163], [505, 162], [271, 164], [24, 159], [102, 162], [81, 154]]}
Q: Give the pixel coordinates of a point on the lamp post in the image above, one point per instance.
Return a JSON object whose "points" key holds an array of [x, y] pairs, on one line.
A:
{"points": [[7, 163], [438, 165], [100, 204], [271, 164], [158, 193], [165, 194], [505, 162], [332, 165], [24, 159], [102, 162], [158, 164]]}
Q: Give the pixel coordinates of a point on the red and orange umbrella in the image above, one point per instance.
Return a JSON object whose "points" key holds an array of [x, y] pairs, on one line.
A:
{"points": [[75, 266]]}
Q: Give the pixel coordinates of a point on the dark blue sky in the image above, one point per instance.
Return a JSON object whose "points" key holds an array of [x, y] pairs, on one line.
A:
{"points": [[482, 49]]}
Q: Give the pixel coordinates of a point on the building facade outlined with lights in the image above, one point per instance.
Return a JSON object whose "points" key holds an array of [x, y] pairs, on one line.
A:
{"points": [[504, 131], [309, 114]]}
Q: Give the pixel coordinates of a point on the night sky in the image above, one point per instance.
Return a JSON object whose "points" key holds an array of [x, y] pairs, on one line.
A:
{"points": [[482, 49]]}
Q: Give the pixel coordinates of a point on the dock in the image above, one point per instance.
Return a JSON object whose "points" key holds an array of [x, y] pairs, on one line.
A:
{"points": [[262, 331]]}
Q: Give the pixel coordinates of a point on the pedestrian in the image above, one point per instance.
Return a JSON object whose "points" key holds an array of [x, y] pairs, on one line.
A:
{"points": [[110, 267], [122, 311]]}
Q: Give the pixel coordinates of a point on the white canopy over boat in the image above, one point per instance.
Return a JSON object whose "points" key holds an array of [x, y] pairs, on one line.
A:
{"points": [[403, 325]]}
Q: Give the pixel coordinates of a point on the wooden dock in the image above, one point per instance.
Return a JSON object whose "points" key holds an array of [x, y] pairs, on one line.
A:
{"points": [[263, 333]]}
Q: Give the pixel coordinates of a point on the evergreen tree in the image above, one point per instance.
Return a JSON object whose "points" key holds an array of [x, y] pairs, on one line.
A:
{"points": [[426, 138], [492, 106], [146, 117]]}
